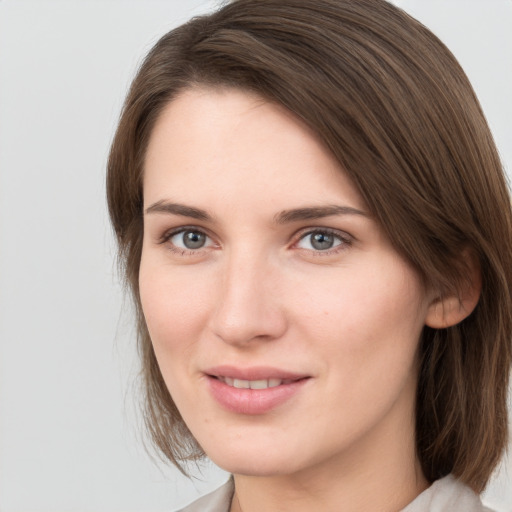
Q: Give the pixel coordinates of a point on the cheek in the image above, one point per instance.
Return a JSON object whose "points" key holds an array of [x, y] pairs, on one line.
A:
{"points": [[175, 305], [365, 332], [366, 322]]}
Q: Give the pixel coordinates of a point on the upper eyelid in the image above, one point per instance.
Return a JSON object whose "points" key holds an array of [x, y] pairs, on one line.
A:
{"points": [[168, 233], [165, 238], [317, 229], [346, 241], [294, 239]]}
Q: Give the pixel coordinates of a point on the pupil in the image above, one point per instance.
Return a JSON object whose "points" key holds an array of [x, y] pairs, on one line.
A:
{"points": [[193, 239], [322, 241]]}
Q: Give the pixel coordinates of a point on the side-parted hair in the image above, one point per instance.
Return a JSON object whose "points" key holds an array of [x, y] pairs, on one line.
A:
{"points": [[392, 104]]}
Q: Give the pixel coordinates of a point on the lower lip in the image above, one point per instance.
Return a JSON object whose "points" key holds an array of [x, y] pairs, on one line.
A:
{"points": [[253, 401]]}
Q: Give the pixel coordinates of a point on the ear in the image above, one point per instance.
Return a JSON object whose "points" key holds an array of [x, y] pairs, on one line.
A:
{"points": [[449, 310]]}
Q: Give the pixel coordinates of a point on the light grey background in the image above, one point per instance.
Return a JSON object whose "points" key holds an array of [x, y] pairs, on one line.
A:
{"points": [[69, 436]]}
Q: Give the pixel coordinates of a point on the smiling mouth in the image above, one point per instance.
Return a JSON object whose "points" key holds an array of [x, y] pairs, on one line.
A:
{"points": [[254, 384], [261, 391]]}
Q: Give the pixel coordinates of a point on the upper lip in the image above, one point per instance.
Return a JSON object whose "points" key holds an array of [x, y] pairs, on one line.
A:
{"points": [[254, 373]]}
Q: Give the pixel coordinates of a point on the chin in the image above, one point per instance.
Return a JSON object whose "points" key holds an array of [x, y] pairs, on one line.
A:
{"points": [[253, 467], [254, 462]]}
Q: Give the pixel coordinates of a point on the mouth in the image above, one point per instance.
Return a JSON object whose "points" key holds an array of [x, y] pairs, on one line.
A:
{"points": [[254, 384], [255, 390]]}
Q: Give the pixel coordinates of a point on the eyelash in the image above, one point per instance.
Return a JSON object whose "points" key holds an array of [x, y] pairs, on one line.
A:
{"points": [[166, 237], [345, 240]]}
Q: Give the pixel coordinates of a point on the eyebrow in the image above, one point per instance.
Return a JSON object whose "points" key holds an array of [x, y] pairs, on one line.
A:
{"points": [[315, 212], [179, 209], [283, 217]]}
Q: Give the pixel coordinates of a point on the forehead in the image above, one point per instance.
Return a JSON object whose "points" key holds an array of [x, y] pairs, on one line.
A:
{"points": [[227, 145]]}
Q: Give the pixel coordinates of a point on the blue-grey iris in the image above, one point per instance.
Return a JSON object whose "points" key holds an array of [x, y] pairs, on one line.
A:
{"points": [[322, 241], [193, 239]]}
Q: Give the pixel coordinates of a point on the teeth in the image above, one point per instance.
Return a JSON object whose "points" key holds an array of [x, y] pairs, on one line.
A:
{"points": [[241, 384], [252, 384], [272, 383], [258, 384]]}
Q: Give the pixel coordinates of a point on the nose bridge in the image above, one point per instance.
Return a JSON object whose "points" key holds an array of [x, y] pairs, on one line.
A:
{"points": [[248, 306]]}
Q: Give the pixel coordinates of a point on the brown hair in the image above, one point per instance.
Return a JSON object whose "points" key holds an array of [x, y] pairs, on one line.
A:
{"points": [[395, 108]]}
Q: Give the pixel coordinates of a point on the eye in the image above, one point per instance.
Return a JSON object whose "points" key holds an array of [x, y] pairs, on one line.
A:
{"points": [[189, 239], [321, 240]]}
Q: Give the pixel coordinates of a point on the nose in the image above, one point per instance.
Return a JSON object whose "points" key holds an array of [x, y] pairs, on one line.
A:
{"points": [[250, 304]]}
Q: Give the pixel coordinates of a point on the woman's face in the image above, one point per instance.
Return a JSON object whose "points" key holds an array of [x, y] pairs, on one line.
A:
{"points": [[284, 323]]}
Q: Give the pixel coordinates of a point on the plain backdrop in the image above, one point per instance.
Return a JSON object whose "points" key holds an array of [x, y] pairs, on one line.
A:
{"points": [[69, 431]]}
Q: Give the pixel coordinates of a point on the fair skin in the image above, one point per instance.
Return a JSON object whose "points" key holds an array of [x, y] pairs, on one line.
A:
{"points": [[260, 260]]}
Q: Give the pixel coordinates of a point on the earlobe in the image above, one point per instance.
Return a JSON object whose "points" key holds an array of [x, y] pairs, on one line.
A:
{"points": [[450, 310]]}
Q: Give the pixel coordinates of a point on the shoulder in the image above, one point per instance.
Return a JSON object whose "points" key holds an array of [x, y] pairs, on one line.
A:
{"points": [[216, 501], [447, 495]]}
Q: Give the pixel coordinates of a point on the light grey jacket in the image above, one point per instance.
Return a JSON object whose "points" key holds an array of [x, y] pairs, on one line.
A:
{"points": [[445, 495]]}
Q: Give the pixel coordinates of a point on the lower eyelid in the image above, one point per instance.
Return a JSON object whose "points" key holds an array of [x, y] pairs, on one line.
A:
{"points": [[184, 252], [343, 238], [345, 241], [166, 237]]}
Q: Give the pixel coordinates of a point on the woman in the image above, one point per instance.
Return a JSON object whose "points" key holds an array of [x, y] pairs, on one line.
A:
{"points": [[315, 225]]}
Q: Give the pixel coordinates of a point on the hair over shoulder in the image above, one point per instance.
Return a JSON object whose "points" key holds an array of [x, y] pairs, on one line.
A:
{"points": [[392, 104]]}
